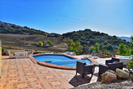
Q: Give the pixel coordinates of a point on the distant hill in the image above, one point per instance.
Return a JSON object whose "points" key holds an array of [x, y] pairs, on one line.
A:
{"points": [[55, 34], [86, 37], [89, 38], [8, 28], [125, 38]]}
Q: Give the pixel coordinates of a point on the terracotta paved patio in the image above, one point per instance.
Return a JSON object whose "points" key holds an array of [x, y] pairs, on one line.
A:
{"points": [[24, 74]]}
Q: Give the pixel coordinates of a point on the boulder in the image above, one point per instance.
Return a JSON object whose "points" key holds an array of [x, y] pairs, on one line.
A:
{"points": [[122, 74], [111, 71], [108, 77], [126, 71]]}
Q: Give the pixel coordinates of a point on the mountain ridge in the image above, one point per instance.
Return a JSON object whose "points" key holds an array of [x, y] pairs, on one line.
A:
{"points": [[125, 38], [8, 28], [86, 37]]}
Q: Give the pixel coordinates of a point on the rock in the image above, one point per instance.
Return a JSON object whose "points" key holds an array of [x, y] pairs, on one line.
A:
{"points": [[122, 74], [126, 71], [111, 71], [108, 77]]}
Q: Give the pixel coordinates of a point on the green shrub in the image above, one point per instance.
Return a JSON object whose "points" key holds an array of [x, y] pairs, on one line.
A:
{"points": [[130, 64], [92, 48], [43, 52], [55, 52], [74, 47], [36, 50], [107, 53], [103, 50], [40, 43], [97, 47], [49, 42], [3, 48], [43, 42], [122, 49], [118, 53], [131, 52]]}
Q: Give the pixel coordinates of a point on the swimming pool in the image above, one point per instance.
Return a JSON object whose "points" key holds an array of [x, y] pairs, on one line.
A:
{"points": [[61, 60]]}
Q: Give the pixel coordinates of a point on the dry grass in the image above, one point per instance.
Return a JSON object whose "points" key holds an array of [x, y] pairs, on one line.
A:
{"points": [[16, 41]]}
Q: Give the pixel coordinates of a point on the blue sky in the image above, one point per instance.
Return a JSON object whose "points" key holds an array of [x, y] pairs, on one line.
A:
{"points": [[114, 17]]}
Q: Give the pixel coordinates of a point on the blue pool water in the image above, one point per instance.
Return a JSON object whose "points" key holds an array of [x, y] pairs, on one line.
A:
{"points": [[62, 60]]}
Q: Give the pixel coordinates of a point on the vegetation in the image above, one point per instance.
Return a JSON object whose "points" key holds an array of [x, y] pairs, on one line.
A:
{"points": [[49, 42], [8, 28], [130, 64], [131, 46], [92, 48], [97, 47], [55, 52], [40, 43], [74, 47], [56, 34], [3, 47], [122, 49], [89, 38], [86, 40], [43, 42], [36, 50], [132, 39]]}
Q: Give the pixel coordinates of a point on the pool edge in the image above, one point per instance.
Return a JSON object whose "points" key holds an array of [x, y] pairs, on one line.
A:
{"points": [[58, 66]]}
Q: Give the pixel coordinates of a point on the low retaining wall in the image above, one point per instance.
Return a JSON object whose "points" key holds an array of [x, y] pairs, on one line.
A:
{"points": [[12, 51]]}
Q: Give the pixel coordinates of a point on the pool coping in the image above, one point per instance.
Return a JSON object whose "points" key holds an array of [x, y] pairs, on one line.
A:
{"points": [[58, 66]]}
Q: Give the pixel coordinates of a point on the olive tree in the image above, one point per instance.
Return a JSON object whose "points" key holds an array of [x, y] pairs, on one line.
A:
{"points": [[97, 47], [40, 43], [49, 42], [75, 47], [122, 48]]}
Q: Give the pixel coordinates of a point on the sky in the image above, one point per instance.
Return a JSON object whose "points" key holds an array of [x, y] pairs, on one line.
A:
{"points": [[114, 17]]}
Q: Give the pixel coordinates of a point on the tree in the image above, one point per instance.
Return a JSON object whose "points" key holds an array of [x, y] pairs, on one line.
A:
{"points": [[40, 43], [92, 48], [132, 39], [69, 42], [97, 47], [85, 49], [109, 47], [78, 47], [105, 42], [122, 48], [131, 46], [130, 65], [43, 42], [74, 47], [49, 42]]}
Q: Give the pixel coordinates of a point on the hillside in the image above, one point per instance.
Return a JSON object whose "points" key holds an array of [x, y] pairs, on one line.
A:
{"points": [[13, 35], [89, 38], [17, 41], [8, 28]]}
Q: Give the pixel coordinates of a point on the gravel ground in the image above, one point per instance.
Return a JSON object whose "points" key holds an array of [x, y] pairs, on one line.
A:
{"points": [[119, 84]]}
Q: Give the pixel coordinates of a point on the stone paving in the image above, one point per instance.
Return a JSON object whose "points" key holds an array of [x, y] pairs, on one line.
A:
{"points": [[24, 74]]}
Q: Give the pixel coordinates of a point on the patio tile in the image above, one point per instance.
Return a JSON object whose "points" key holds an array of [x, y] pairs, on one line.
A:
{"points": [[24, 74]]}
